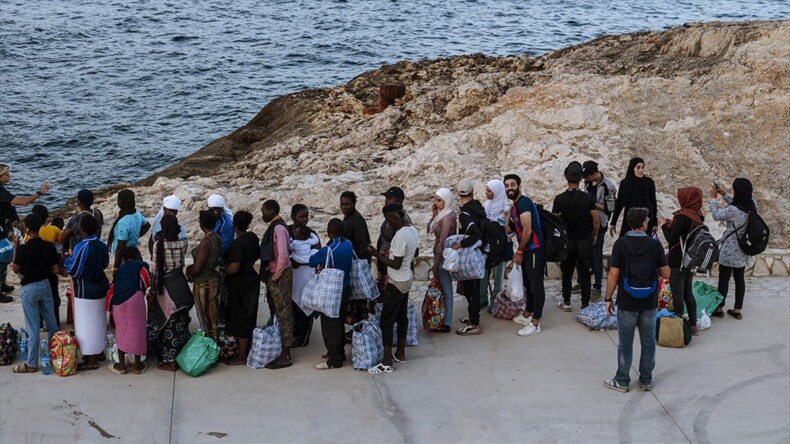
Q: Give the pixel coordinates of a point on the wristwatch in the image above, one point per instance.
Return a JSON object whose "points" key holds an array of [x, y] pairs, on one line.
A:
{"points": [[39, 193]]}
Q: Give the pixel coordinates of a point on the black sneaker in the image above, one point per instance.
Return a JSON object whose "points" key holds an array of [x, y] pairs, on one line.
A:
{"points": [[4, 299]]}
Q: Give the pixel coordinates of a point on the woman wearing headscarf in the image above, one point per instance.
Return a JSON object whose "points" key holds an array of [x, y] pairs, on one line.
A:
{"points": [[224, 225], [129, 226], [244, 285], [304, 241], [128, 308], [732, 260], [170, 205], [636, 191], [170, 311], [497, 210], [676, 232], [205, 276], [86, 267], [443, 224]]}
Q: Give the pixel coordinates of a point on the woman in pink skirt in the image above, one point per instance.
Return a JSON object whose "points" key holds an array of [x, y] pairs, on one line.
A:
{"points": [[128, 309]]}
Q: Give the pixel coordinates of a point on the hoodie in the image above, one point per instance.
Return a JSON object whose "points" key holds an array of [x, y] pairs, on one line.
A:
{"points": [[471, 212]]}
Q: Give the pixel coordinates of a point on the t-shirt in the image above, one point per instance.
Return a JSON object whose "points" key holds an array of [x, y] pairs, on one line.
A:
{"points": [[522, 205], [404, 245], [620, 256], [128, 229], [7, 212], [574, 208], [245, 250], [36, 259], [74, 225]]}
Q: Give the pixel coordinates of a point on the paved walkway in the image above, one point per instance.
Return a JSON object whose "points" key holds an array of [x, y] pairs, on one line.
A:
{"points": [[732, 384]]}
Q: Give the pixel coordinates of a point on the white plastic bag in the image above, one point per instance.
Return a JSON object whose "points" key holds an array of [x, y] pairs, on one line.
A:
{"points": [[515, 284], [703, 323], [452, 260]]}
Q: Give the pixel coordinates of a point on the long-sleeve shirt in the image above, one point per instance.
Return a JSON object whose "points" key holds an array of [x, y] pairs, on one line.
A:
{"points": [[355, 230], [282, 251], [341, 257], [730, 253], [681, 227], [446, 226]]}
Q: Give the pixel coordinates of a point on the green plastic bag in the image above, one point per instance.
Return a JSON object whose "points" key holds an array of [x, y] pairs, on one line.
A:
{"points": [[707, 296], [198, 354]]}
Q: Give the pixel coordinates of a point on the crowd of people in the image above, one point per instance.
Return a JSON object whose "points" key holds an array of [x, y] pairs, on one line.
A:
{"points": [[156, 294]]}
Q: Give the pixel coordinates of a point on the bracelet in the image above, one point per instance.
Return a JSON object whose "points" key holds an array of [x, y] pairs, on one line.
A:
{"points": [[519, 251], [39, 193], [607, 300]]}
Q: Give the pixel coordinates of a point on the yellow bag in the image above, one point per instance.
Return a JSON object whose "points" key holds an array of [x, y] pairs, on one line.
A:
{"points": [[673, 332]]}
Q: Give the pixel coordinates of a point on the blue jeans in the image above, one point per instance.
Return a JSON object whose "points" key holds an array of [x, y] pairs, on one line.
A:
{"points": [[448, 291], [598, 258], [37, 299], [627, 322]]}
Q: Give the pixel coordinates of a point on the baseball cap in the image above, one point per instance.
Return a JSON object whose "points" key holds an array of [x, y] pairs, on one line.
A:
{"points": [[589, 167], [394, 192], [465, 187]]}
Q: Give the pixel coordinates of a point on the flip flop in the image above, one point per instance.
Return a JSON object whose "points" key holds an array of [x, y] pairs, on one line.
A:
{"points": [[23, 368], [81, 367], [399, 361], [112, 368], [379, 369]]}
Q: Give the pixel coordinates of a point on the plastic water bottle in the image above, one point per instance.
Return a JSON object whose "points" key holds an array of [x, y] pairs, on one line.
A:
{"points": [[46, 366], [23, 344], [109, 350]]}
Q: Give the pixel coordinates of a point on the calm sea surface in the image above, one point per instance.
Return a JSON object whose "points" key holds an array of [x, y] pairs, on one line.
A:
{"points": [[98, 92]]}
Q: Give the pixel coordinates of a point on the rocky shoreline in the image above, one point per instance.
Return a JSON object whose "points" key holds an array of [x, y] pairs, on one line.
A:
{"points": [[699, 101]]}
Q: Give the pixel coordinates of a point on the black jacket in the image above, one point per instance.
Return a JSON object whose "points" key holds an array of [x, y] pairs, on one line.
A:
{"points": [[471, 213]]}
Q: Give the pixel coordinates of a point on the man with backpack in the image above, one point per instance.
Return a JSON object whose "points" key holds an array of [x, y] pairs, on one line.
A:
{"points": [[580, 214], [530, 255], [471, 213], [604, 192], [637, 261]]}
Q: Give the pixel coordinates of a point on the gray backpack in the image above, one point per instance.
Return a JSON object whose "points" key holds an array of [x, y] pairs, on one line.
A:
{"points": [[700, 251]]}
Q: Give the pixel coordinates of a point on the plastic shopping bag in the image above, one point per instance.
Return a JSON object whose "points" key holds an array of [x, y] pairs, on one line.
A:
{"points": [[515, 284]]}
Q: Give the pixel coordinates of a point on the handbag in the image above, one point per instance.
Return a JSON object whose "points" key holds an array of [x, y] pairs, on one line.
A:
{"points": [[367, 349], [198, 355], [266, 346], [506, 308], [228, 344], [362, 284], [433, 311], [673, 332], [324, 291]]}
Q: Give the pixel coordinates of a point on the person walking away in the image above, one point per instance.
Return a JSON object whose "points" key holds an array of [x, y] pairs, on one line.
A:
{"points": [[676, 231], [629, 255], [86, 267], [130, 284], [635, 191], [8, 217], [470, 212], [399, 279], [341, 252], [732, 260], [128, 228], [604, 192], [530, 255], [277, 272], [443, 224], [497, 210], [244, 286], [578, 210], [303, 241], [204, 274], [170, 298], [35, 261]]}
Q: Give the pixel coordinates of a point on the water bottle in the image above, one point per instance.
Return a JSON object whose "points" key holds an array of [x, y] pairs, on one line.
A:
{"points": [[109, 351], [23, 344], [46, 366]]}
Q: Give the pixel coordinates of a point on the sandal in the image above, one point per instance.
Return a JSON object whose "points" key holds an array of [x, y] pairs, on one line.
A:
{"points": [[83, 366], [718, 313], [379, 369], [23, 368], [399, 361], [112, 368], [324, 366], [141, 371], [279, 363], [735, 314]]}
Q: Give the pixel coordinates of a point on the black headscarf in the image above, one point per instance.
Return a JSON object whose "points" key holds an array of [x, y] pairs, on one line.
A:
{"points": [[742, 195], [127, 206], [633, 185]]}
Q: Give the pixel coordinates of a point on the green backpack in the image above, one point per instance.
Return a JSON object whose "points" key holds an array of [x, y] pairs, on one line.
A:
{"points": [[198, 354]]}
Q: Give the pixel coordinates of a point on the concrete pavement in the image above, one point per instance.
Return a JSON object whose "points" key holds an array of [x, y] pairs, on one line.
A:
{"points": [[732, 384]]}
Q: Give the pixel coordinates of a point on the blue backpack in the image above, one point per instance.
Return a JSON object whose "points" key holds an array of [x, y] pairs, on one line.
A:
{"points": [[641, 278]]}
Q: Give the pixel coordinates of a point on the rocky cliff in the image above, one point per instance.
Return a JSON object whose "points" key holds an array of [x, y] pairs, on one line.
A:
{"points": [[698, 102]]}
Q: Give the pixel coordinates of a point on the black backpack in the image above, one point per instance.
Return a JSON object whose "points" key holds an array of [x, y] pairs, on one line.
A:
{"points": [[640, 279], [495, 241], [755, 237], [700, 251], [555, 235]]}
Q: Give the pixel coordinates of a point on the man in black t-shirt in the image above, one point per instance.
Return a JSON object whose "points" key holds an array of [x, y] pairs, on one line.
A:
{"points": [[578, 210], [634, 312], [36, 261]]}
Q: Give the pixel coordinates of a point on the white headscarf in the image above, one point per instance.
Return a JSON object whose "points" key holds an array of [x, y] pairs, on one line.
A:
{"points": [[496, 206], [449, 206], [217, 201], [171, 203]]}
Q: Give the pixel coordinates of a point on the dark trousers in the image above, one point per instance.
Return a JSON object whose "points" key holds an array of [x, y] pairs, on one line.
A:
{"points": [[3, 272], [580, 258], [740, 284], [303, 325], [333, 331], [680, 283], [598, 258], [394, 309], [472, 295], [532, 268]]}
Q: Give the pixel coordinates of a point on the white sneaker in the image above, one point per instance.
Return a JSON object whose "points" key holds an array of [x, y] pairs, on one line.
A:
{"points": [[529, 330], [520, 319]]}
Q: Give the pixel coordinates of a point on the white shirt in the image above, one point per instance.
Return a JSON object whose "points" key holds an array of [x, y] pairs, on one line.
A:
{"points": [[404, 245]]}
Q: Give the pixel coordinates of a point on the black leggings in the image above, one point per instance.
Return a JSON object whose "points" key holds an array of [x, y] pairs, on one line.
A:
{"points": [[681, 284], [472, 294], [740, 284]]}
